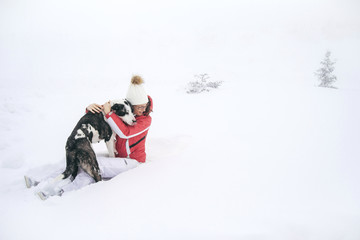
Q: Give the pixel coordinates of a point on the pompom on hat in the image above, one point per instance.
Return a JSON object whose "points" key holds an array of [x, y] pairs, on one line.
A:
{"points": [[136, 94]]}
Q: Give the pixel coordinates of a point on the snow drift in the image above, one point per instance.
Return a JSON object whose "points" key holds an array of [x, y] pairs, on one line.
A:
{"points": [[267, 155]]}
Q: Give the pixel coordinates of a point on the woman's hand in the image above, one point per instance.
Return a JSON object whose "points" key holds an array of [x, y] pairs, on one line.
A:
{"points": [[95, 108], [107, 107]]}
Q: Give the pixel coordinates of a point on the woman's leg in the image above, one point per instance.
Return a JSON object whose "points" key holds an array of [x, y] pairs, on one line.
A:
{"points": [[111, 167], [82, 179], [52, 186], [37, 175]]}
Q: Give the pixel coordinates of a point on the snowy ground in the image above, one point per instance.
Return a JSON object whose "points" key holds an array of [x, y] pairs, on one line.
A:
{"points": [[266, 156]]}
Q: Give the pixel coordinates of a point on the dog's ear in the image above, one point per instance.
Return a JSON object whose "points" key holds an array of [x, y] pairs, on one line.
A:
{"points": [[114, 107], [117, 106], [122, 111], [119, 109]]}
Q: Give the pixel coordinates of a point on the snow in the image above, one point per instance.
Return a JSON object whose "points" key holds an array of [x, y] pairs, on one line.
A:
{"points": [[268, 155]]}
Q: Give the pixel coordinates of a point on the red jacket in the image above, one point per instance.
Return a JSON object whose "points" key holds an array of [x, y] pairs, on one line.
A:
{"points": [[130, 140]]}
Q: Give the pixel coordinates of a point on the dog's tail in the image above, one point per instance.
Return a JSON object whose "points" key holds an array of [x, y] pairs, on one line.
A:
{"points": [[69, 171], [59, 178]]}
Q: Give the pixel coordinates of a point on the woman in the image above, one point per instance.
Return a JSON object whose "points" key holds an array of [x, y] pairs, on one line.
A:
{"points": [[129, 144]]}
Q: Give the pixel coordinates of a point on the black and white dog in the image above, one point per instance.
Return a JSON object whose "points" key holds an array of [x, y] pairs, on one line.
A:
{"points": [[92, 128]]}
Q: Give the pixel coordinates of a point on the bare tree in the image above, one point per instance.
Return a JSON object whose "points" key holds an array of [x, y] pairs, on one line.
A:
{"points": [[325, 73], [201, 84]]}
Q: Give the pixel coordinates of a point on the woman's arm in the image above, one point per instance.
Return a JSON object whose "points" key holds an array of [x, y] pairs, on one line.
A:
{"points": [[126, 131]]}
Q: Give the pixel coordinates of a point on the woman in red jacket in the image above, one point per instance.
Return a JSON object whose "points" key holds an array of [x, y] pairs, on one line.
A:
{"points": [[130, 140], [129, 144]]}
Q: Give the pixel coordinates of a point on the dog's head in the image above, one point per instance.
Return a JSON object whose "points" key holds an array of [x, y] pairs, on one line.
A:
{"points": [[123, 109]]}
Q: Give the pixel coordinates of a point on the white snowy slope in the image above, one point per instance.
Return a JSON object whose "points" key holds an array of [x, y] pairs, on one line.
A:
{"points": [[268, 155]]}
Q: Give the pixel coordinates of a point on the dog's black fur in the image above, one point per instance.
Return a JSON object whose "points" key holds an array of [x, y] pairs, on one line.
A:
{"points": [[91, 128], [79, 152]]}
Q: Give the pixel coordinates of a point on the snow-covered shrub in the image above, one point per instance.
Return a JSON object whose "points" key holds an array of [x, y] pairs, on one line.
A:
{"points": [[325, 73], [201, 84]]}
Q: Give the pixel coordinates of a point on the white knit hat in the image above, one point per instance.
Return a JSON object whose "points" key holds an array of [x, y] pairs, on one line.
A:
{"points": [[136, 94]]}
